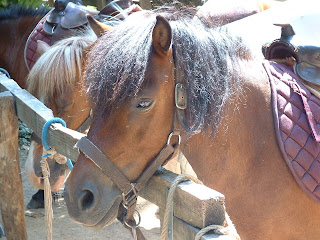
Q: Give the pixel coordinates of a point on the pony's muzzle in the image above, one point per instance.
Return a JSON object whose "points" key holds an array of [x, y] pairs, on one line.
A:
{"points": [[91, 197]]}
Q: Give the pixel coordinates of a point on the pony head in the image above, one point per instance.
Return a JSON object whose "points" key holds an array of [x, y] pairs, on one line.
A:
{"points": [[130, 73]]}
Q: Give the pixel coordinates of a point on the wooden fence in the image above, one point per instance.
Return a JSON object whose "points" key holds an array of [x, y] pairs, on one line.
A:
{"points": [[195, 206]]}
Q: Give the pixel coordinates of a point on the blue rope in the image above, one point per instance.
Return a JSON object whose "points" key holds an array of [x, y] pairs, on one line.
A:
{"points": [[44, 137]]}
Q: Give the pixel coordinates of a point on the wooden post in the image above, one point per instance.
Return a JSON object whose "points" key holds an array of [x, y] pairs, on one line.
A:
{"points": [[11, 192]]}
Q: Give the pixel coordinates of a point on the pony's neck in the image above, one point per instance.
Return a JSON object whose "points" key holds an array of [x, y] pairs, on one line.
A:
{"points": [[245, 119]]}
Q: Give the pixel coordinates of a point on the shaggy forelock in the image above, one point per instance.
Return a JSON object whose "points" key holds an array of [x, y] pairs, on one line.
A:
{"points": [[207, 57], [117, 64]]}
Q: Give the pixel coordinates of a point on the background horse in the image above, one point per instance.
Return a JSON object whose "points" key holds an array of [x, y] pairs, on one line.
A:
{"points": [[56, 80], [19, 21], [54, 89], [227, 133]]}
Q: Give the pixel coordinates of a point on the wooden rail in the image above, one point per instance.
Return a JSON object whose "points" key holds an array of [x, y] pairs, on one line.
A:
{"points": [[195, 205], [35, 114]]}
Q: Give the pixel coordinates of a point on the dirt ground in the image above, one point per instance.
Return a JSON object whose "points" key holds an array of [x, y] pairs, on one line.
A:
{"points": [[65, 228]]}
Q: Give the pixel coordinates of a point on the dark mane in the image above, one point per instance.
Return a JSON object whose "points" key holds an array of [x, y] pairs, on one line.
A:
{"points": [[18, 11], [208, 59]]}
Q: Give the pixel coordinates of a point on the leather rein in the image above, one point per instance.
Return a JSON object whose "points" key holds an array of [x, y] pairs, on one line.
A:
{"points": [[130, 189]]}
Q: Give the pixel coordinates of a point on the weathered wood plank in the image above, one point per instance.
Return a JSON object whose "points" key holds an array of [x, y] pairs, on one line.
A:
{"points": [[35, 114], [194, 203], [11, 192]]}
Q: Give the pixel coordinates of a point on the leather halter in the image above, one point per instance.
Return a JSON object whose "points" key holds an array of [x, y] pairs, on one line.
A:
{"points": [[86, 123], [130, 189]]}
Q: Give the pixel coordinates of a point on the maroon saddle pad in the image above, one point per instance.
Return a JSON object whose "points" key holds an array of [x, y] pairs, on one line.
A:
{"points": [[30, 55], [296, 115]]}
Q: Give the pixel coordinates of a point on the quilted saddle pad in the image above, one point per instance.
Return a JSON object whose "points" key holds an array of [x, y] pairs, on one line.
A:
{"points": [[296, 115], [30, 55]]}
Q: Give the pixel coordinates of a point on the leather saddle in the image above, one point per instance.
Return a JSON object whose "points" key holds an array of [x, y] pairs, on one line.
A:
{"points": [[70, 14], [64, 18], [305, 51]]}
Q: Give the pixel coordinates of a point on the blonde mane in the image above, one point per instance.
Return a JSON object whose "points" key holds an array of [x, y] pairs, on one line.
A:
{"points": [[59, 69]]}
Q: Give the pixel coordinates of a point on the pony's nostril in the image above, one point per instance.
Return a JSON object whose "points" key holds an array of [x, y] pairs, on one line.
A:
{"points": [[86, 200]]}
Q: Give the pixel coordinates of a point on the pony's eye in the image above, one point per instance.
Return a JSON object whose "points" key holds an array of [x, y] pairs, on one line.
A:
{"points": [[144, 104]]}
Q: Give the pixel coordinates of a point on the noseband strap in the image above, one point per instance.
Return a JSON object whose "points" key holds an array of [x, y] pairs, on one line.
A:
{"points": [[85, 125], [129, 189], [104, 163]]}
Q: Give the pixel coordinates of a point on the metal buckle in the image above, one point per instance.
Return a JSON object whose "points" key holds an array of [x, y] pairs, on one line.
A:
{"points": [[129, 196], [173, 134], [180, 96]]}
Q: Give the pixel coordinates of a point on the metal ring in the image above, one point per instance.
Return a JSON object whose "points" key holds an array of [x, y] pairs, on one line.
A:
{"points": [[2, 70], [137, 224], [172, 134]]}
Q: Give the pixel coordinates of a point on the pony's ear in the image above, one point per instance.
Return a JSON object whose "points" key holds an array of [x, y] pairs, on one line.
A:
{"points": [[161, 36], [42, 47], [98, 27]]}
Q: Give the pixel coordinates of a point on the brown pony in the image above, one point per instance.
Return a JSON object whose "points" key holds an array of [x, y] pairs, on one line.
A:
{"points": [[60, 66], [227, 133]]}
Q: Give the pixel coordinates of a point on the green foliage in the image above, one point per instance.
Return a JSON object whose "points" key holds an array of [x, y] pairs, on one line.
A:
{"points": [[34, 3], [24, 134]]}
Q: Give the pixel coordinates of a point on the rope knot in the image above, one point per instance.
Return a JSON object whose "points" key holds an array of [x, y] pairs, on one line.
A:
{"points": [[45, 168], [51, 152]]}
